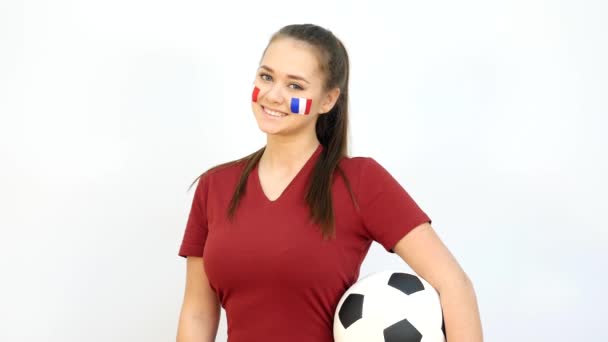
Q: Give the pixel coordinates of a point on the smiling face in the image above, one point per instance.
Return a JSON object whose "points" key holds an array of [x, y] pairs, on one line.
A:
{"points": [[289, 79]]}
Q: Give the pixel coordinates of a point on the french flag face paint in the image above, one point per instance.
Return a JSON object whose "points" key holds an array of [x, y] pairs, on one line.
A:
{"points": [[254, 96], [300, 105]]}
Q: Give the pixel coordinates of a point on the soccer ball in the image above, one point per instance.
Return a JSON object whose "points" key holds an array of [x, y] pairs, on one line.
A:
{"points": [[389, 306]]}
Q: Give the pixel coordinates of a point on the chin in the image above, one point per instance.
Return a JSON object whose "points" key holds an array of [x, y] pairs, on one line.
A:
{"points": [[271, 131]]}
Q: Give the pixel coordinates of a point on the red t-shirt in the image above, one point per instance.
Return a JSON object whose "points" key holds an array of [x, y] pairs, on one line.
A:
{"points": [[273, 273]]}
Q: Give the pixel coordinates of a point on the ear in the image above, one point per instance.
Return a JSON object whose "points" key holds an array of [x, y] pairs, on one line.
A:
{"points": [[329, 100]]}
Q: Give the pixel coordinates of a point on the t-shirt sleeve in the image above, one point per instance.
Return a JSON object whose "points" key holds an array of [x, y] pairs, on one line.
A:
{"points": [[195, 234], [387, 210]]}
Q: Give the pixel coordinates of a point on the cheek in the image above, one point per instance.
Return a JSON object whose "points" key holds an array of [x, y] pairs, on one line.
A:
{"points": [[258, 90], [301, 105], [315, 102], [316, 105]]}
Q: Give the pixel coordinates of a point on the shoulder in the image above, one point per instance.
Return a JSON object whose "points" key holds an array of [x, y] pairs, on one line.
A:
{"points": [[364, 173], [226, 170], [225, 174], [368, 176], [360, 166]]}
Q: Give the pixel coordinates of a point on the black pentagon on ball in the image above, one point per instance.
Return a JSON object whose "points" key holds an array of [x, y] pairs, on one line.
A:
{"points": [[351, 310], [406, 283], [402, 331]]}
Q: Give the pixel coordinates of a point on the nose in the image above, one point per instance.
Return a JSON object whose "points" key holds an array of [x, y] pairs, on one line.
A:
{"points": [[275, 94]]}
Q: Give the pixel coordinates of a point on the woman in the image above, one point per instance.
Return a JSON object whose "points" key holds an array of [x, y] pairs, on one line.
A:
{"points": [[277, 237]]}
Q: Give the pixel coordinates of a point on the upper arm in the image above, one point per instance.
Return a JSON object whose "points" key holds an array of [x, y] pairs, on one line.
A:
{"points": [[200, 314], [199, 297], [426, 254]]}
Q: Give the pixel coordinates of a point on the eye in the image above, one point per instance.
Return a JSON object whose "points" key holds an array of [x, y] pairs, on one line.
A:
{"points": [[265, 77]]}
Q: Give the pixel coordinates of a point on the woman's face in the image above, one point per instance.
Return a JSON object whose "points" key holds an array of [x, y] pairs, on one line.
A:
{"points": [[290, 69]]}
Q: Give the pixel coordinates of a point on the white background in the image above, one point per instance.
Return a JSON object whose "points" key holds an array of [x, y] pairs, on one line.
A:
{"points": [[492, 114]]}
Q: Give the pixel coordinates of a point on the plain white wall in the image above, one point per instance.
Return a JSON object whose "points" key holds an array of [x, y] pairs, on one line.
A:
{"points": [[492, 114]]}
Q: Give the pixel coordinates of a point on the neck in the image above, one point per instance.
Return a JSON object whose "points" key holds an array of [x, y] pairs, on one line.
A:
{"points": [[283, 153]]}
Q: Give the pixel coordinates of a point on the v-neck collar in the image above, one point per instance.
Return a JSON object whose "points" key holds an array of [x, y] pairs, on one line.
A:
{"points": [[304, 171]]}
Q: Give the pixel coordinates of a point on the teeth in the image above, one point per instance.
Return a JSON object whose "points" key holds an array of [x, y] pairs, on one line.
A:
{"points": [[273, 113]]}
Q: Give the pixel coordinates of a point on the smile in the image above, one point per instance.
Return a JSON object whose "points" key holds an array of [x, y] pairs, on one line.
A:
{"points": [[273, 113]]}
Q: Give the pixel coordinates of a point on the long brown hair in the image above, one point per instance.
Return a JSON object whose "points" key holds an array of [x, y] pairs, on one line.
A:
{"points": [[331, 128]]}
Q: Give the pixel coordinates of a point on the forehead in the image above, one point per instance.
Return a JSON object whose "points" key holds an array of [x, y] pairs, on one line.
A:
{"points": [[291, 56]]}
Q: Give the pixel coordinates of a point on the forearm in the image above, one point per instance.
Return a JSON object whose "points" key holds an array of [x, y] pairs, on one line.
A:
{"points": [[461, 312], [193, 328]]}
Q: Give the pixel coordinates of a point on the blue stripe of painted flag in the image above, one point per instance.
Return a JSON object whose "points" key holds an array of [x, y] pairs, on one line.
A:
{"points": [[295, 105]]}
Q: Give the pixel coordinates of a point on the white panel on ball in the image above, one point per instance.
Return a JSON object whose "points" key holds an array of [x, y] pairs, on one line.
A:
{"points": [[389, 306]]}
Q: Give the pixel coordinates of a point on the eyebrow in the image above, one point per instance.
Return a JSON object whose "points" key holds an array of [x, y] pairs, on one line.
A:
{"points": [[295, 77]]}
